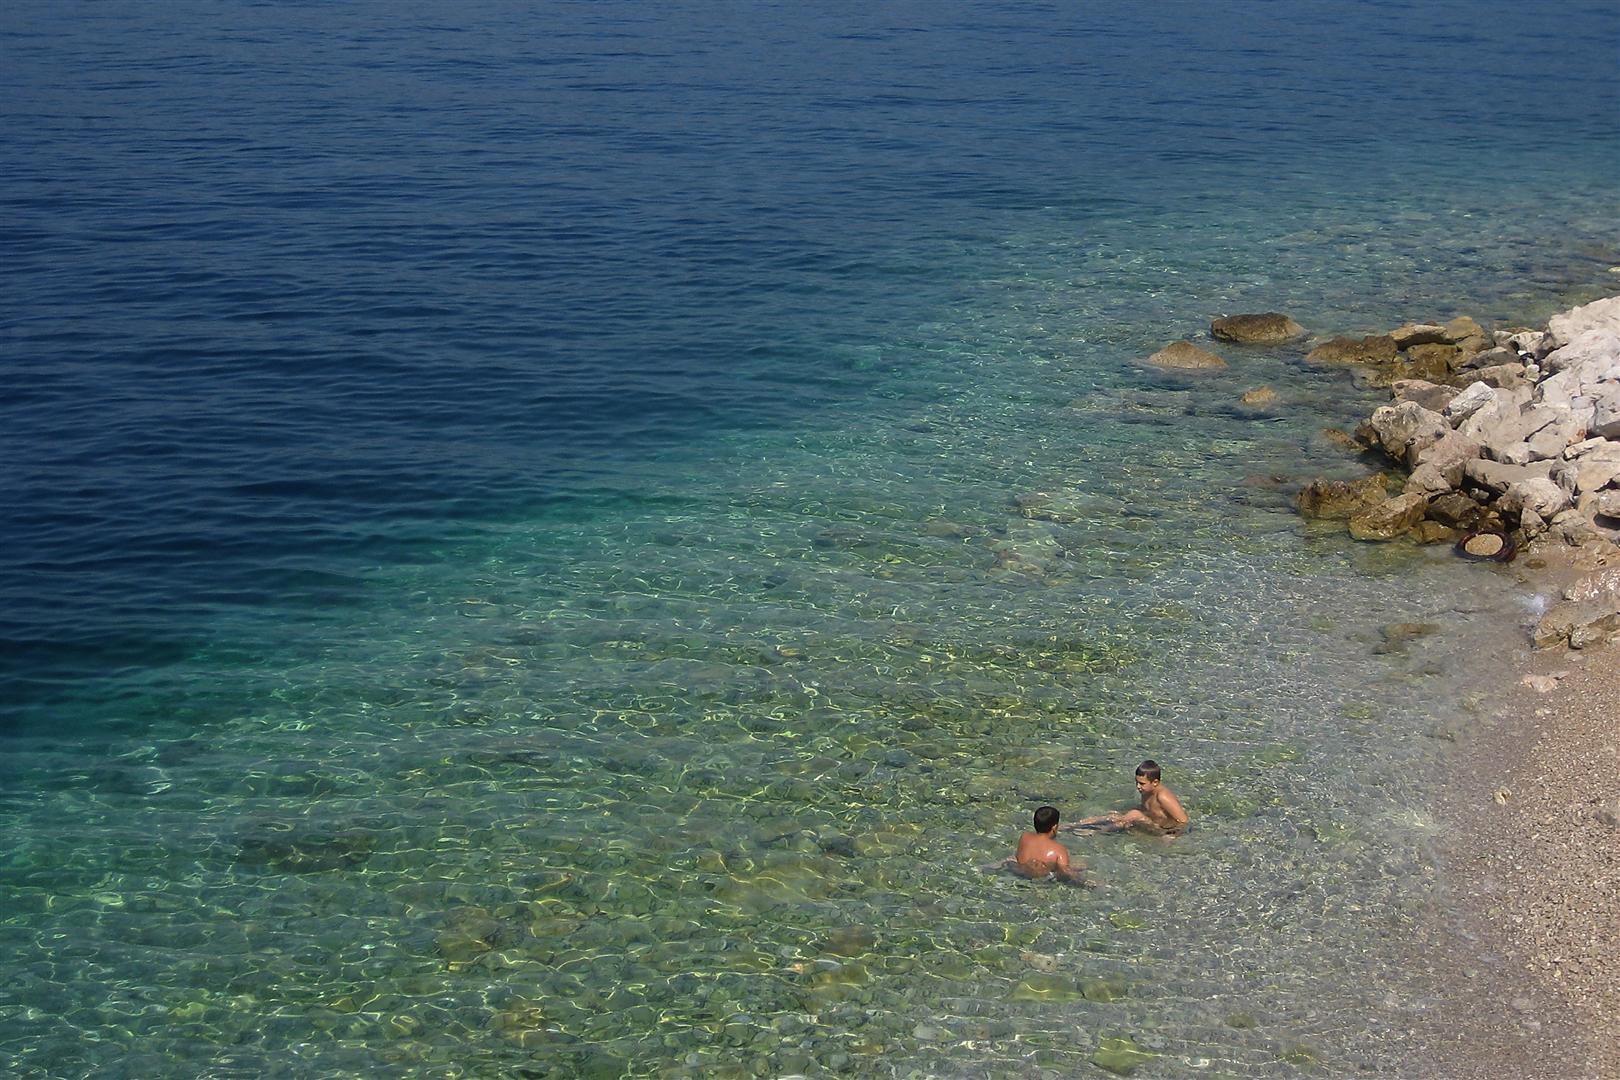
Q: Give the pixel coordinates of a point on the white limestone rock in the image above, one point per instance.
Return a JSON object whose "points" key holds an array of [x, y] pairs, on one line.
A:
{"points": [[1601, 315], [1469, 400]]}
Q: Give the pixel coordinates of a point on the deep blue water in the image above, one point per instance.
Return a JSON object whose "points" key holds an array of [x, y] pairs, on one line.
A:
{"points": [[466, 377]]}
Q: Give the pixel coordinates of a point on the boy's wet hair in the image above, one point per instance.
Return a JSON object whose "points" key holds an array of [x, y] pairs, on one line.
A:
{"points": [[1149, 769], [1046, 819]]}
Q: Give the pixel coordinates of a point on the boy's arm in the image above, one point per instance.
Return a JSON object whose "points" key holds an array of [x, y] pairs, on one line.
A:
{"points": [[1172, 806], [1062, 867]]}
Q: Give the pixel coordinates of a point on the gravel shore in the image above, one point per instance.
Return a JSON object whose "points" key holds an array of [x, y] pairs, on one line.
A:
{"points": [[1533, 860]]}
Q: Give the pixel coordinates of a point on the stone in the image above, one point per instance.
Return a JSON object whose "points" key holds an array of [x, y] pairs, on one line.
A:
{"points": [[1419, 334], [1539, 496], [1569, 622], [1265, 328], [1430, 482], [1377, 349], [1440, 352], [1406, 428], [1492, 358], [1605, 422], [1496, 477], [1431, 362], [1455, 511], [1430, 395], [1593, 350], [1531, 343], [1338, 500], [1462, 328], [1260, 395], [1502, 375], [1432, 532], [1120, 1056], [1606, 504], [1469, 400], [1599, 315], [1541, 684], [1342, 439], [1449, 454], [1185, 356], [1390, 519]]}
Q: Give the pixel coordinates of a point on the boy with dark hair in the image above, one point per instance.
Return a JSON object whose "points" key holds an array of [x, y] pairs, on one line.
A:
{"points": [[1160, 811], [1040, 854]]}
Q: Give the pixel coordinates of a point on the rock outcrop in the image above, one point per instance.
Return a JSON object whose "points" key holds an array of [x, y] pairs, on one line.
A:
{"points": [[1517, 431]]}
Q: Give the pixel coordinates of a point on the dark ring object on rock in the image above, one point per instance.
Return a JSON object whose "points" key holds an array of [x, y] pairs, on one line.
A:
{"points": [[1487, 545]]}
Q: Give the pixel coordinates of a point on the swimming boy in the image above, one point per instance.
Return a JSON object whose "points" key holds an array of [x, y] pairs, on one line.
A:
{"points": [[1040, 854], [1160, 811]]}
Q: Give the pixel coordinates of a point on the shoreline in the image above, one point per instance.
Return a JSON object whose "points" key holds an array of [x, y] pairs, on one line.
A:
{"points": [[1523, 973]]}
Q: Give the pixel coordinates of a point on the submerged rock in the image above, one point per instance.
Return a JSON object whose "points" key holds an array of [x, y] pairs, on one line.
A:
{"points": [[1185, 356], [1265, 328], [1338, 500], [1390, 519]]}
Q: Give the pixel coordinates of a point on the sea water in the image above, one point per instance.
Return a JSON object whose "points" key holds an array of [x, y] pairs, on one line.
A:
{"points": [[558, 541]]}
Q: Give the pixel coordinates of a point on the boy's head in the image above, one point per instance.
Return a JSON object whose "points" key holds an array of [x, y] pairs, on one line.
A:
{"points": [[1147, 776], [1046, 819]]}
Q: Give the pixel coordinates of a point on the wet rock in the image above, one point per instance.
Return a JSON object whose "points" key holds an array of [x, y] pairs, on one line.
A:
{"points": [[1104, 990], [849, 941], [1432, 532], [1390, 519], [1185, 356], [1377, 349], [1342, 439], [1412, 334], [1260, 395], [1433, 361], [1265, 328], [1120, 1055], [1339, 500]]}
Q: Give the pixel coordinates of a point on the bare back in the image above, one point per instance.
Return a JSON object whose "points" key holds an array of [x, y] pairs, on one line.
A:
{"points": [[1040, 854]]}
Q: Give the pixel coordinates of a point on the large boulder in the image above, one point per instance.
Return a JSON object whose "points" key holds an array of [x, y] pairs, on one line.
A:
{"points": [[1265, 328], [1594, 347], [1185, 356], [1391, 518], [1378, 349], [1338, 500], [1405, 429], [1598, 315]]}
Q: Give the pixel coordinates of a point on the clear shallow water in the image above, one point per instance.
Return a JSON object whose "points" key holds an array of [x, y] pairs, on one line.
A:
{"points": [[518, 563]]}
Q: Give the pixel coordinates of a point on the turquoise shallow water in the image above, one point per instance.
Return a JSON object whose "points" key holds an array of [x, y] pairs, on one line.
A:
{"points": [[561, 552]]}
